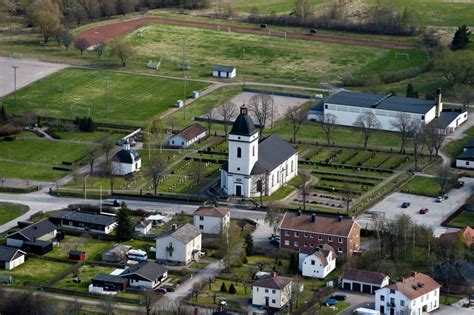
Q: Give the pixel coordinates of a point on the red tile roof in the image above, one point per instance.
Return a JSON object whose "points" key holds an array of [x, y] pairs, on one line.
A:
{"points": [[322, 224], [191, 131], [466, 235], [273, 282], [415, 286], [212, 212], [358, 275]]}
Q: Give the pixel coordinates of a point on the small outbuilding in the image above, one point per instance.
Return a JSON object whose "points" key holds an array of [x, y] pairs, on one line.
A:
{"points": [[226, 72], [126, 161], [116, 254], [77, 255], [466, 158], [11, 257], [188, 136], [105, 284], [143, 227], [363, 280]]}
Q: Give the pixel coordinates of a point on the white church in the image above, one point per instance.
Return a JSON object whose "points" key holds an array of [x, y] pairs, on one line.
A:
{"points": [[268, 164]]}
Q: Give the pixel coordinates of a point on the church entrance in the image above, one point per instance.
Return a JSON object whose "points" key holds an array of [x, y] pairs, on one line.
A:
{"points": [[238, 190]]}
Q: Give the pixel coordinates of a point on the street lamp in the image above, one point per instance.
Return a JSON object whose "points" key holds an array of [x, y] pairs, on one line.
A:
{"points": [[85, 186], [14, 79], [107, 79]]}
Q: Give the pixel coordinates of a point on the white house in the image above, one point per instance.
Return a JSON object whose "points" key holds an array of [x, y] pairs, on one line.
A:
{"points": [[11, 257], [126, 161], [317, 262], [179, 245], [210, 220], [226, 72], [145, 274], [415, 295], [143, 227], [188, 136], [466, 158], [363, 280], [254, 165], [273, 291], [346, 106]]}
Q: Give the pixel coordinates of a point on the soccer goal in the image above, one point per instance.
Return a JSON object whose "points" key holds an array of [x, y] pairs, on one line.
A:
{"points": [[79, 111], [402, 56]]}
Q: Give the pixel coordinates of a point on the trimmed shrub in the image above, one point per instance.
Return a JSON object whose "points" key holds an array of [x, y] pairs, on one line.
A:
{"points": [[223, 287], [232, 289]]}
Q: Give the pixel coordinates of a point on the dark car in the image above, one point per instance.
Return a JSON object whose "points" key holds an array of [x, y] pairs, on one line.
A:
{"points": [[405, 205], [161, 290], [424, 210], [329, 302], [459, 184], [275, 242], [339, 297]]}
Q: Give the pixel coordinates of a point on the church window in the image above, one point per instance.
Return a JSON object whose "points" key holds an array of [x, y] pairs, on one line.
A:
{"points": [[239, 152], [292, 166], [286, 170], [273, 180], [253, 151]]}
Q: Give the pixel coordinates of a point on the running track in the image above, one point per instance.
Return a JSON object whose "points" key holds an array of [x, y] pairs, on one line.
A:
{"points": [[109, 32]]}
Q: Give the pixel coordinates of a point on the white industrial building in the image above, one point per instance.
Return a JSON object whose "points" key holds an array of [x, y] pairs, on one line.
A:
{"points": [[179, 245], [317, 262], [211, 220], [252, 165], [226, 72], [188, 136]]}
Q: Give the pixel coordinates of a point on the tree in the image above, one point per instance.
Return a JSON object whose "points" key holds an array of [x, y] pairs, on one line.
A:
{"points": [[464, 93], [197, 172], [123, 51], [66, 38], [274, 215], [106, 145], [91, 155], [155, 171], [195, 290], [124, 223], [296, 115], [302, 10], [3, 115], [223, 287], [149, 299], [249, 245], [445, 179], [411, 91], [44, 14], [368, 123], [418, 140], [302, 185], [231, 244], [209, 116], [403, 124], [227, 110], [261, 185], [328, 123], [232, 289], [99, 48], [456, 68], [81, 44], [109, 7], [262, 106], [293, 265], [461, 38]]}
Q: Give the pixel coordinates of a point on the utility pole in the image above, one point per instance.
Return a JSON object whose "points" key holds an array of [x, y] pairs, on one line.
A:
{"points": [[14, 79], [243, 65], [107, 79], [184, 66]]}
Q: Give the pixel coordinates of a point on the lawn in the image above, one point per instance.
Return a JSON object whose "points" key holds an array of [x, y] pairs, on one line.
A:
{"points": [[89, 136], [268, 6], [85, 273], [10, 211], [420, 185], [30, 172], [454, 148], [463, 219], [132, 98]]}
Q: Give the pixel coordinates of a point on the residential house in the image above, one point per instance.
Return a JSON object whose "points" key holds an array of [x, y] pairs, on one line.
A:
{"points": [[84, 221], [116, 254], [36, 238], [415, 295], [179, 245], [363, 281], [466, 158], [11, 257], [273, 291], [126, 161], [157, 219], [300, 230], [145, 274], [226, 72], [466, 235], [188, 136], [143, 227], [317, 262], [210, 220], [103, 283]]}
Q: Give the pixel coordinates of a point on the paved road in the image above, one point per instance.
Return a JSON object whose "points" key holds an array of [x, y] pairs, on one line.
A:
{"points": [[356, 301]]}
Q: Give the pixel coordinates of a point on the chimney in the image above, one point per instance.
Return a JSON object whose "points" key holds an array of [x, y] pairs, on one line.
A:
{"points": [[274, 274], [243, 110], [414, 273], [174, 227], [126, 145], [313, 217], [438, 103]]}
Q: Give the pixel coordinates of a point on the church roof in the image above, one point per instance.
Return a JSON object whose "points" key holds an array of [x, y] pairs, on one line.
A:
{"points": [[243, 125], [273, 151], [127, 156]]}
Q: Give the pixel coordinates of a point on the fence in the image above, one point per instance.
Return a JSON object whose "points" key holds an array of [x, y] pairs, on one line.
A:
{"points": [[89, 295], [278, 93], [19, 190], [98, 124]]}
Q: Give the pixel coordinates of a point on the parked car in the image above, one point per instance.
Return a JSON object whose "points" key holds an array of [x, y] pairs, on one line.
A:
{"points": [[161, 290], [439, 199], [424, 210], [329, 302], [339, 297], [275, 242], [459, 184], [405, 205]]}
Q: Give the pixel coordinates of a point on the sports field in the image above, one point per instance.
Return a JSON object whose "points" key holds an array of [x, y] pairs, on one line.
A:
{"points": [[132, 99], [268, 57]]}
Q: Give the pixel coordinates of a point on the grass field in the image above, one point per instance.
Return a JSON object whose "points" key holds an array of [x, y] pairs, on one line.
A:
{"points": [[275, 58], [420, 185], [132, 98], [10, 211], [463, 219], [454, 148], [31, 172]]}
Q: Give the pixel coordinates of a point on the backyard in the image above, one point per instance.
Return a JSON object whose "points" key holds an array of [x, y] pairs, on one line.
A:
{"points": [[10, 211]]}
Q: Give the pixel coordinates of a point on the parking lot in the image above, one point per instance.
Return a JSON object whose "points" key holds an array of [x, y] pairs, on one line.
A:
{"points": [[391, 206]]}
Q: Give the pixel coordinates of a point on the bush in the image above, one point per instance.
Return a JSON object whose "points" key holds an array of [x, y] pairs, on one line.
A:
{"points": [[9, 130], [85, 124], [223, 287], [232, 289], [9, 138], [52, 134]]}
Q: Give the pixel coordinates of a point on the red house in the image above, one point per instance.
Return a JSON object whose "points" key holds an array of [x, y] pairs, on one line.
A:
{"points": [[77, 255]]}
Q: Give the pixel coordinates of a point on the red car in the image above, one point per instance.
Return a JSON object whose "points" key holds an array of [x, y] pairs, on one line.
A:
{"points": [[424, 210]]}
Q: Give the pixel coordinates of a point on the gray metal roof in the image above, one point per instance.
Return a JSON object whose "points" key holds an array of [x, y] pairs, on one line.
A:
{"points": [[467, 155], [273, 151], [7, 253], [243, 124], [445, 119], [319, 107], [387, 102], [36, 230], [184, 233], [109, 278], [146, 269], [126, 156], [469, 145], [85, 217], [223, 68]]}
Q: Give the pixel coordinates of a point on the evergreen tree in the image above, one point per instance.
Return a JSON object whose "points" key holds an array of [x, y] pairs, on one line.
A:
{"points": [[232, 289], [124, 223], [461, 38], [223, 287], [249, 245], [293, 266], [411, 91], [3, 115]]}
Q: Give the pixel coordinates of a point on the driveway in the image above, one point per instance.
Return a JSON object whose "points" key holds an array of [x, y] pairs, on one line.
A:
{"points": [[356, 300], [390, 207]]}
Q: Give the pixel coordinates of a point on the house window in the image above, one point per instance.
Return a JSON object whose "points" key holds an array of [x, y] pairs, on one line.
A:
{"points": [[287, 233], [295, 243], [392, 301], [305, 244], [201, 227], [201, 218], [273, 301], [274, 291], [292, 166], [320, 246], [305, 234], [311, 245], [313, 262], [339, 240], [320, 237], [467, 163], [266, 290], [286, 170], [253, 151], [172, 142], [325, 106], [382, 298], [339, 250], [296, 234], [402, 303], [273, 180], [329, 238], [287, 243], [239, 152], [182, 143], [392, 291], [422, 117]]}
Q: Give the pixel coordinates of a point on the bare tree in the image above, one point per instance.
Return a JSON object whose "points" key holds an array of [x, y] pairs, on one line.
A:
{"points": [[149, 299], [465, 94], [155, 171], [81, 44], [196, 290], [197, 172], [296, 115], [108, 305], [261, 186], [445, 179], [91, 155], [328, 124], [274, 215], [368, 123], [262, 106], [231, 244], [418, 139], [99, 48], [347, 194], [66, 38], [403, 124], [303, 185], [227, 110], [210, 116]]}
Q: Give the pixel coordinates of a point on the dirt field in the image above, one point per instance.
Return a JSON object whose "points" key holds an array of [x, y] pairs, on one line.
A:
{"points": [[109, 32], [28, 72]]}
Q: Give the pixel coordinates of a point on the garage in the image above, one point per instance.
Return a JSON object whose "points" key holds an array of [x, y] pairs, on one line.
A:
{"points": [[346, 286], [356, 286], [366, 288], [363, 281]]}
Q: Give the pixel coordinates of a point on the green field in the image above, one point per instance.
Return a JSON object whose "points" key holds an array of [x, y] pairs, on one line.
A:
{"points": [[420, 185], [71, 92], [463, 219], [31, 172], [268, 6], [454, 148], [10, 211], [273, 58]]}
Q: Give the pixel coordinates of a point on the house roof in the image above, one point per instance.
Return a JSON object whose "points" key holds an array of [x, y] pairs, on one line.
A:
{"points": [[76, 252], [146, 269], [387, 102], [415, 286], [212, 211], [192, 131], [329, 225], [184, 233], [126, 156], [103, 277], [319, 107], [273, 151], [469, 145], [117, 249], [273, 282], [321, 253], [243, 124], [85, 217], [143, 224], [35, 230], [466, 155], [7, 253], [223, 68], [466, 235], [359, 275], [257, 169], [445, 119]]}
